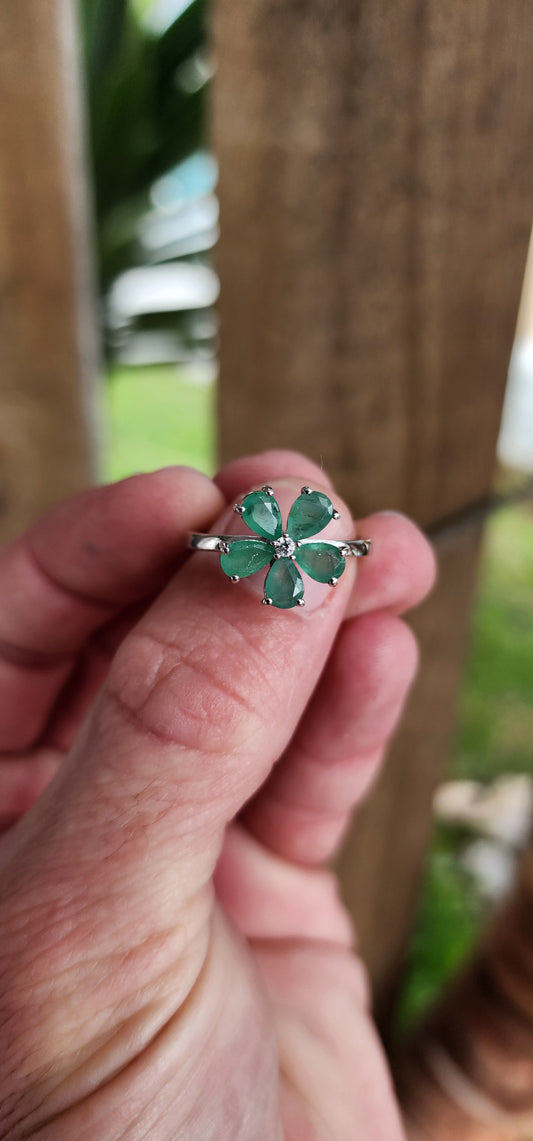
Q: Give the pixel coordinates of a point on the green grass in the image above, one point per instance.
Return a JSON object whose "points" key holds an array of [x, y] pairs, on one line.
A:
{"points": [[159, 416], [142, 6], [495, 732]]}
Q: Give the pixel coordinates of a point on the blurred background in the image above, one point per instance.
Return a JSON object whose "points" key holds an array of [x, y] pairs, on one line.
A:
{"points": [[149, 67]]}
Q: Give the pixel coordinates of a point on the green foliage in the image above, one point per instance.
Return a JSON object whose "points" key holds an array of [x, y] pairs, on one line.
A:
{"points": [[449, 919], [141, 119], [496, 716], [494, 736]]}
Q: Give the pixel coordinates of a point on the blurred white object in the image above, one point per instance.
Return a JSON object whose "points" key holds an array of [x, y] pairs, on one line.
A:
{"points": [[161, 289], [491, 865], [190, 228], [515, 445], [160, 15], [502, 811]]}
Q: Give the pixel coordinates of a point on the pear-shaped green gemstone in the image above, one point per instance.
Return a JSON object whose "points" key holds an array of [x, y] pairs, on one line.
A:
{"points": [[309, 514], [246, 556], [262, 514], [284, 584], [320, 561]]}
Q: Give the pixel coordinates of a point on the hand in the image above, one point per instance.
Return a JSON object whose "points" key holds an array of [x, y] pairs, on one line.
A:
{"points": [[178, 762]]}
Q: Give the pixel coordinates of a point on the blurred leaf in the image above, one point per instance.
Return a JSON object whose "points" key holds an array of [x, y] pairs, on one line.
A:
{"points": [[141, 121], [104, 24], [450, 917]]}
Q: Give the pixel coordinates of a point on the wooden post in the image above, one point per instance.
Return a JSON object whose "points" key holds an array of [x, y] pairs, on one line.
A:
{"points": [[47, 330], [381, 861], [376, 186]]}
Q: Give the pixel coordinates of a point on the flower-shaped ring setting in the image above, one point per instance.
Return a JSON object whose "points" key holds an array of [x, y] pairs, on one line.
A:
{"points": [[286, 552]]}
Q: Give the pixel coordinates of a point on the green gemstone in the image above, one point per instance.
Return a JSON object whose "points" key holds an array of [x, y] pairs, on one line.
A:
{"points": [[246, 556], [309, 514], [284, 584], [320, 561], [262, 514]]}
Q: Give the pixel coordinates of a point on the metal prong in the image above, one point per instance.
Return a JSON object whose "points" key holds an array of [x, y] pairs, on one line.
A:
{"points": [[336, 514], [235, 578], [301, 602], [292, 558], [333, 581], [345, 551], [239, 508], [223, 548], [306, 491], [266, 601], [267, 490]]}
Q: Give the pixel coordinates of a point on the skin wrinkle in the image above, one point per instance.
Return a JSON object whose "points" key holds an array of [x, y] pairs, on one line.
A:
{"points": [[175, 1016], [187, 984], [21, 772], [313, 760], [172, 649], [37, 660], [156, 996], [290, 1077], [104, 606], [190, 1122], [201, 668], [161, 737], [63, 900], [309, 807], [248, 642], [297, 851], [101, 1047], [124, 957]]}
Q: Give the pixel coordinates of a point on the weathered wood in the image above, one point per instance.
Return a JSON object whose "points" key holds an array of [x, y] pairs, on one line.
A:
{"points": [[380, 864], [47, 339], [376, 187]]}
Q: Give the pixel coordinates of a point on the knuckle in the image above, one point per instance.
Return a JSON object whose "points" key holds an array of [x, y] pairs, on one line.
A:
{"points": [[184, 694]]}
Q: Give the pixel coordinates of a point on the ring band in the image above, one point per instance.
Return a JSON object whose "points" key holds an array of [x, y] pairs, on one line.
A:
{"points": [[347, 547], [287, 552]]}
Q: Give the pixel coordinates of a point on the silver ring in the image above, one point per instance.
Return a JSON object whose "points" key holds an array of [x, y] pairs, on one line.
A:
{"points": [[357, 548], [287, 552]]}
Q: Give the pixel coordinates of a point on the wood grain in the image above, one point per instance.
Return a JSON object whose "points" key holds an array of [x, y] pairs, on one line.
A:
{"points": [[376, 188], [381, 862], [47, 338], [376, 200]]}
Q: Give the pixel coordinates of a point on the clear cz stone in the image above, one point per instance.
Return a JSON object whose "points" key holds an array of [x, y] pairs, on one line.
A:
{"points": [[284, 547]]}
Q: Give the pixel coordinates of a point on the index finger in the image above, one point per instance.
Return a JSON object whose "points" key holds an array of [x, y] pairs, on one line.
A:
{"points": [[73, 570]]}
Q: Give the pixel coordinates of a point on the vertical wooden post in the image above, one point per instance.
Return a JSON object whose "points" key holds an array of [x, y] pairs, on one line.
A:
{"points": [[47, 329], [376, 186]]}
